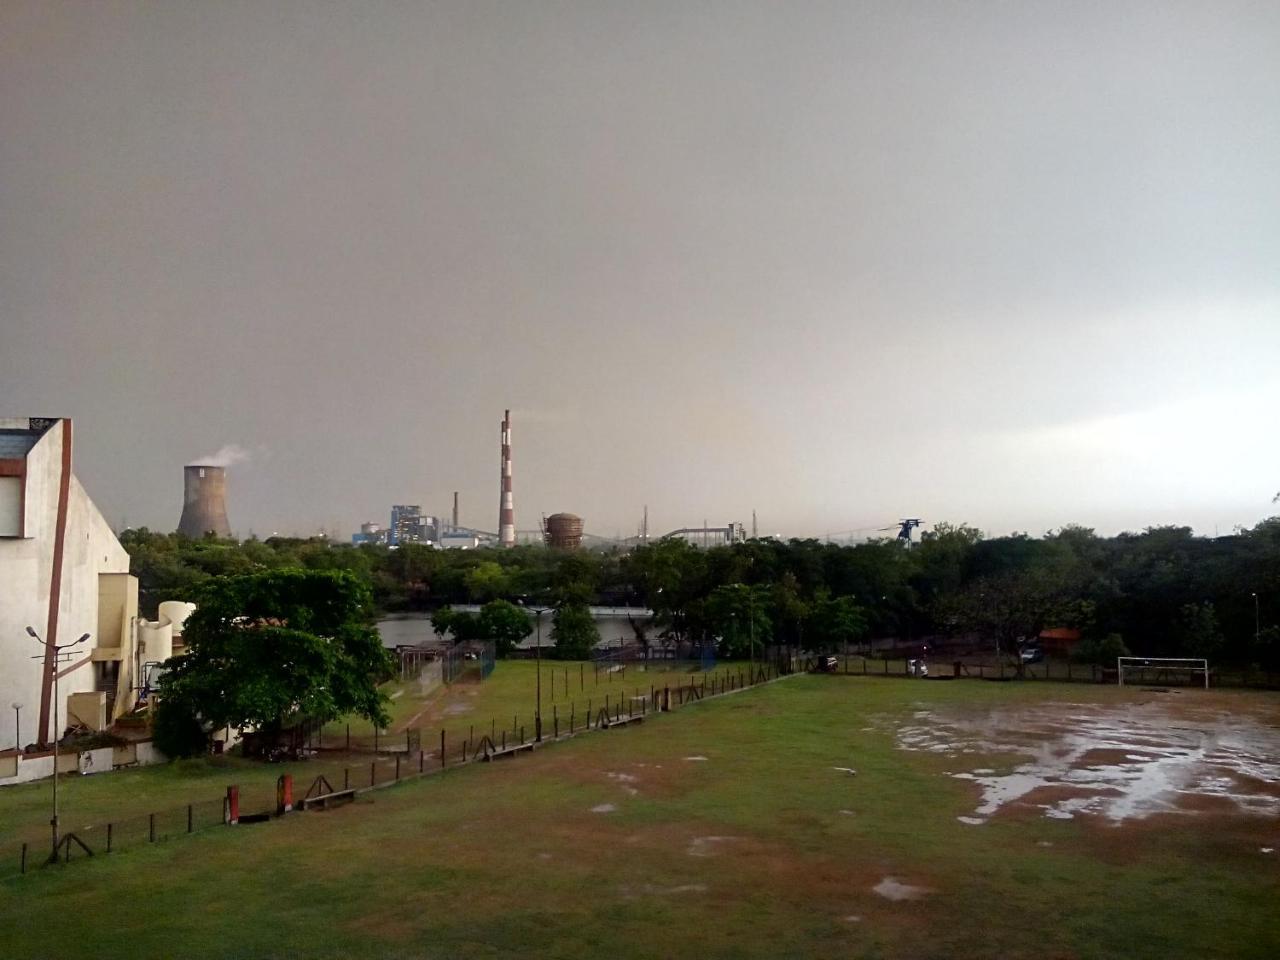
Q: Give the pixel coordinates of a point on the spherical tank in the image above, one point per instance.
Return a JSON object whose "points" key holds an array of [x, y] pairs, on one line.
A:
{"points": [[564, 531]]}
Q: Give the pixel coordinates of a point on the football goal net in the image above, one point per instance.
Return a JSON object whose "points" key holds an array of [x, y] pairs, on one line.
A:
{"points": [[1162, 670]]}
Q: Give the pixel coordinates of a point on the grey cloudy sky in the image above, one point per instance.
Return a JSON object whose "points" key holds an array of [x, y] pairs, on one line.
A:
{"points": [[1015, 263]]}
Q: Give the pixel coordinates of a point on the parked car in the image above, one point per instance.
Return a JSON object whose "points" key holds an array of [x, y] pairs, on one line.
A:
{"points": [[1031, 654]]}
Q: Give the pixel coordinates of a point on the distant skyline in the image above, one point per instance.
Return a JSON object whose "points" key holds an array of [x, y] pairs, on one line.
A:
{"points": [[1010, 264]]}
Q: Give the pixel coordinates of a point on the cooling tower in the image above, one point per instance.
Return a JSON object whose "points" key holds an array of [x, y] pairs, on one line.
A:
{"points": [[204, 501], [564, 531]]}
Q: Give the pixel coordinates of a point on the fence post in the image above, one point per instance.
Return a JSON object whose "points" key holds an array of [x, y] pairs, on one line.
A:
{"points": [[504, 739], [522, 734], [346, 778], [109, 826], [442, 757], [190, 818], [421, 761], [151, 829], [348, 738], [373, 772], [397, 768], [375, 738], [24, 859], [233, 805]]}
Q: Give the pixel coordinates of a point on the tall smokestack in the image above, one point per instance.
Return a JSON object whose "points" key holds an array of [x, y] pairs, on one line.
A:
{"points": [[204, 501], [506, 507], [455, 509]]}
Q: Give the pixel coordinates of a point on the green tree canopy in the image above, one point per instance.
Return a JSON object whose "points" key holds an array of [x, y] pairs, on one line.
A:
{"points": [[505, 624], [268, 649], [574, 631]]}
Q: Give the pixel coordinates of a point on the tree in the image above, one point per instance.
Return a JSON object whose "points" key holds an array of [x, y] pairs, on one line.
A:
{"points": [[505, 624], [486, 581], [1100, 651], [1197, 630], [574, 631], [267, 650], [738, 615], [836, 621], [461, 625]]}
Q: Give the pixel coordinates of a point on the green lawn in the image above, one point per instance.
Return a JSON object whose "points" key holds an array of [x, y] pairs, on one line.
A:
{"points": [[619, 845], [505, 700]]}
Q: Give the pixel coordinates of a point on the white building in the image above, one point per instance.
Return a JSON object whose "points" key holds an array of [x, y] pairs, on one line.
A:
{"points": [[63, 573]]}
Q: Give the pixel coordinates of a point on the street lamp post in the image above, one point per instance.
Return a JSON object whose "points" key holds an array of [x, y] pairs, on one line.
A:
{"points": [[57, 649], [537, 648]]}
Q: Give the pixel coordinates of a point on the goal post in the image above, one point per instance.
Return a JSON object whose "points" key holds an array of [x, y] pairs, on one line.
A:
{"points": [[1141, 669]]}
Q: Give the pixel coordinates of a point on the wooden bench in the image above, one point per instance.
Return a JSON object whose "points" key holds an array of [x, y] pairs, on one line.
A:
{"points": [[507, 751], [623, 721], [322, 801]]}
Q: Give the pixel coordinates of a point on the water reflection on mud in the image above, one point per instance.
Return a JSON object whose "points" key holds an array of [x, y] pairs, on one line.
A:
{"points": [[1122, 761]]}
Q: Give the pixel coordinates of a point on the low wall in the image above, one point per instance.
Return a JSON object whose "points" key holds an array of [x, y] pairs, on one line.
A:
{"points": [[24, 768]]}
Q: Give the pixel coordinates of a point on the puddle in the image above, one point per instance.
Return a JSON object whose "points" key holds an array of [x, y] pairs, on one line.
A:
{"points": [[1119, 762], [892, 888], [706, 846], [603, 808]]}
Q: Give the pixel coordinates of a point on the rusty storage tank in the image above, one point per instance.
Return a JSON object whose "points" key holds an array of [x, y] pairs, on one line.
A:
{"points": [[564, 531], [204, 501]]}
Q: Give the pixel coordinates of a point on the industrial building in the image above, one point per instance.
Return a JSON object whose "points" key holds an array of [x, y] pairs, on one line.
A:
{"points": [[64, 574], [409, 525], [204, 501]]}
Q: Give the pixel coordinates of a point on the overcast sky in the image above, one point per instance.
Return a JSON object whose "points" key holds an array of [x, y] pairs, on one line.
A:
{"points": [[1010, 263]]}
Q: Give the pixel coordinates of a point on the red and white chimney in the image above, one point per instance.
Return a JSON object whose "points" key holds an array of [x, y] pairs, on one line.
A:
{"points": [[506, 507]]}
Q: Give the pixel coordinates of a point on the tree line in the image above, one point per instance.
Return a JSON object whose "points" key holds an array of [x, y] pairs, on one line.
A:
{"points": [[1161, 592]]}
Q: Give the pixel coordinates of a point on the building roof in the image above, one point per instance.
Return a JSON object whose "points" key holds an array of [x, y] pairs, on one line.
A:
{"points": [[1059, 633], [16, 444]]}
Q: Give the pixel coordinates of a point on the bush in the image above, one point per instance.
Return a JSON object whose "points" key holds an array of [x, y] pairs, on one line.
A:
{"points": [[1101, 651], [177, 731]]}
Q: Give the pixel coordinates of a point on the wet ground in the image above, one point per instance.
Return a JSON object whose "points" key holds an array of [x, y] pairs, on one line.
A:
{"points": [[1178, 752]]}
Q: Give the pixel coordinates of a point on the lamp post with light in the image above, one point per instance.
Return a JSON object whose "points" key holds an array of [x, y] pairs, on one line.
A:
{"points": [[56, 649]]}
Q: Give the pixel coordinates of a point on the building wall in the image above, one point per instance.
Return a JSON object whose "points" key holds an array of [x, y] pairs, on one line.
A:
{"points": [[26, 572]]}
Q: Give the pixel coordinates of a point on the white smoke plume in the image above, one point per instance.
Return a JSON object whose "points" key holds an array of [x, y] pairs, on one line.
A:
{"points": [[228, 455]]}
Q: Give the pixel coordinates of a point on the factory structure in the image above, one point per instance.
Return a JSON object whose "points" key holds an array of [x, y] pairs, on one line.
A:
{"points": [[204, 501], [68, 604]]}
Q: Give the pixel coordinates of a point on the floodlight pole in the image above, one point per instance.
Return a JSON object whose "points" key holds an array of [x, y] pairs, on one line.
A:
{"points": [[57, 649]]}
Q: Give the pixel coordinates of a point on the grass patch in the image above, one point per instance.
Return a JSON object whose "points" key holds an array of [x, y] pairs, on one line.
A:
{"points": [[760, 850]]}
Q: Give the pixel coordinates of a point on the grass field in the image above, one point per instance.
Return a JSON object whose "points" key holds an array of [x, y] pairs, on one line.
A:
{"points": [[626, 844]]}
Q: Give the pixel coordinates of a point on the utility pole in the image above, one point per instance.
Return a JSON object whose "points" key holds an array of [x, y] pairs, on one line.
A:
{"points": [[58, 657]]}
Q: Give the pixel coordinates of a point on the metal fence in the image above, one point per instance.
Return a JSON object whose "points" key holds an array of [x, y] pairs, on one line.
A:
{"points": [[421, 754]]}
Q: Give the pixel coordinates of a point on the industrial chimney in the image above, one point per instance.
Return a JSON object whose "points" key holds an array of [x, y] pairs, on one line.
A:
{"points": [[204, 501], [506, 508]]}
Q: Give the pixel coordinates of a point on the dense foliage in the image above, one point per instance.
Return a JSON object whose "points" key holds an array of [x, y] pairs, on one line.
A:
{"points": [[1163, 591], [265, 650]]}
